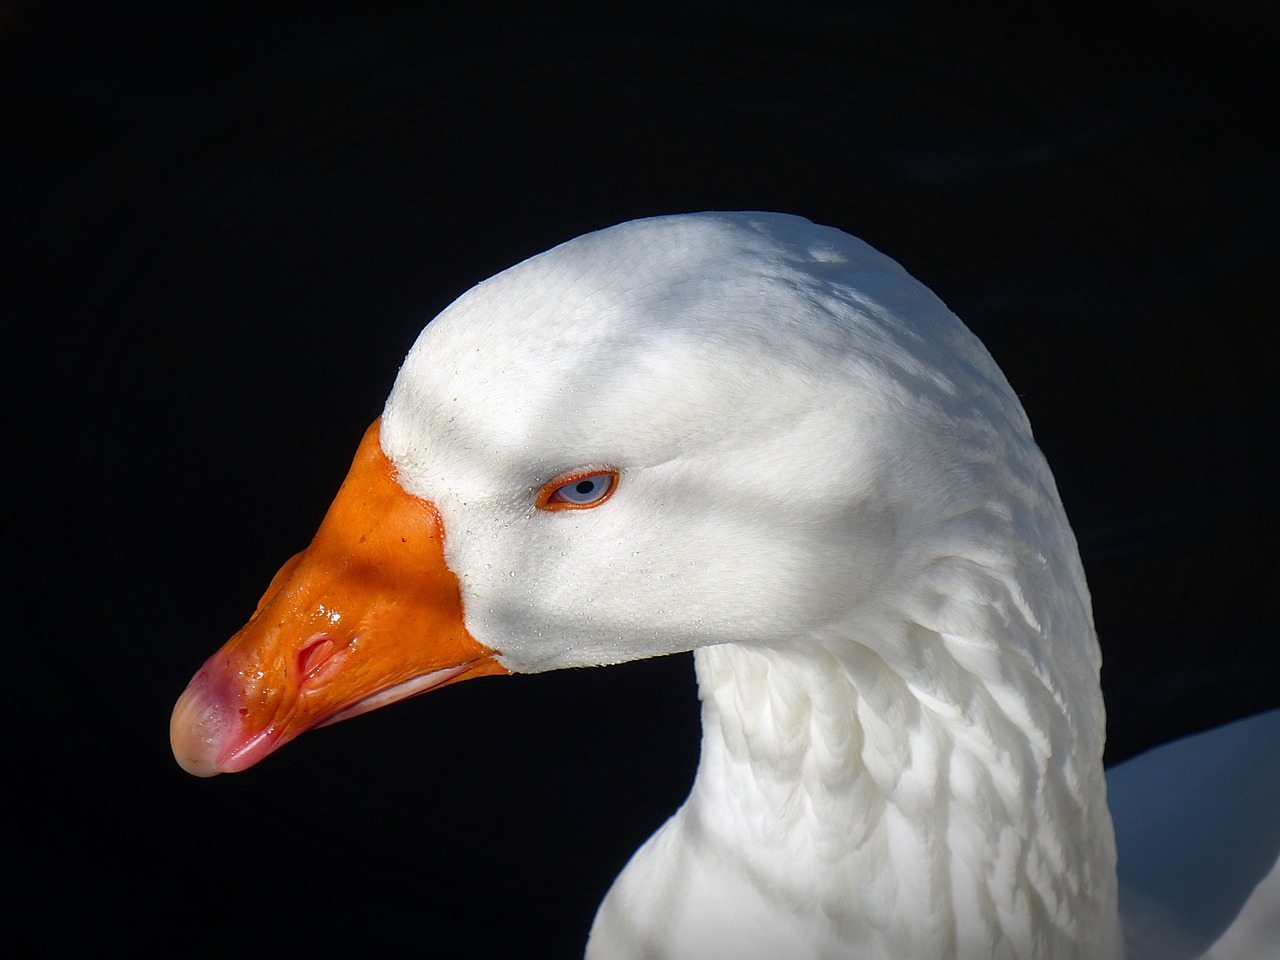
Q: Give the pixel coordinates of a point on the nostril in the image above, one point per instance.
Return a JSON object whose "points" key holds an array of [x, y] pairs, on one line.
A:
{"points": [[314, 656]]}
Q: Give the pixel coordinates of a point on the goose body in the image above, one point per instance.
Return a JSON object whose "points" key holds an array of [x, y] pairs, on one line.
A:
{"points": [[761, 440]]}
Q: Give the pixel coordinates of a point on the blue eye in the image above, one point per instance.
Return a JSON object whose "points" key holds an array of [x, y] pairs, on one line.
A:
{"points": [[578, 491]]}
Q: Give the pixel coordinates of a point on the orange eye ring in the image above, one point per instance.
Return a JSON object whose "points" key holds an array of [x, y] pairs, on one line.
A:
{"points": [[580, 490]]}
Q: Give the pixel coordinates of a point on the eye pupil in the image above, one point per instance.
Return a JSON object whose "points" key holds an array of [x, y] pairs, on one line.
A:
{"points": [[585, 486]]}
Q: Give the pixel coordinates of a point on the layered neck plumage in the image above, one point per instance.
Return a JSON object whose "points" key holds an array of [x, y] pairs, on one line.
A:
{"points": [[928, 784]]}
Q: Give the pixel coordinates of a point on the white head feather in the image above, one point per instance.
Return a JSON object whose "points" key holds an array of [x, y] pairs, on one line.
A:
{"points": [[828, 489]]}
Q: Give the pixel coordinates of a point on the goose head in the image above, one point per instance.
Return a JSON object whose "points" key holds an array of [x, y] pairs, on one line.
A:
{"points": [[628, 363], [740, 434]]}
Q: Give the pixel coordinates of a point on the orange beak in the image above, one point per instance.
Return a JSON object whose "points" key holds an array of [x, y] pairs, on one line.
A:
{"points": [[368, 614]]}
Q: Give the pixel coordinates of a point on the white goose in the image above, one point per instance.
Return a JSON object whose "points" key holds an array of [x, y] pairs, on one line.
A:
{"points": [[761, 440]]}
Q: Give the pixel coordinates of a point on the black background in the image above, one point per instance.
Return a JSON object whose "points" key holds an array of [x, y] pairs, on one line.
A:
{"points": [[225, 225]]}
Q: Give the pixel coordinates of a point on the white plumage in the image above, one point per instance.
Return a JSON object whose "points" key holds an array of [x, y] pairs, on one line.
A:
{"points": [[831, 493], [828, 491]]}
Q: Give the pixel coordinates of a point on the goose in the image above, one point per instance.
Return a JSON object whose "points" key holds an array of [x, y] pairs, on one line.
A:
{"points": [[758, 439]]}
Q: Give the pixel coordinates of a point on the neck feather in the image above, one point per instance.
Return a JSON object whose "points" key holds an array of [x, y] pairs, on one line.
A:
{"points": [[928, 782]]}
